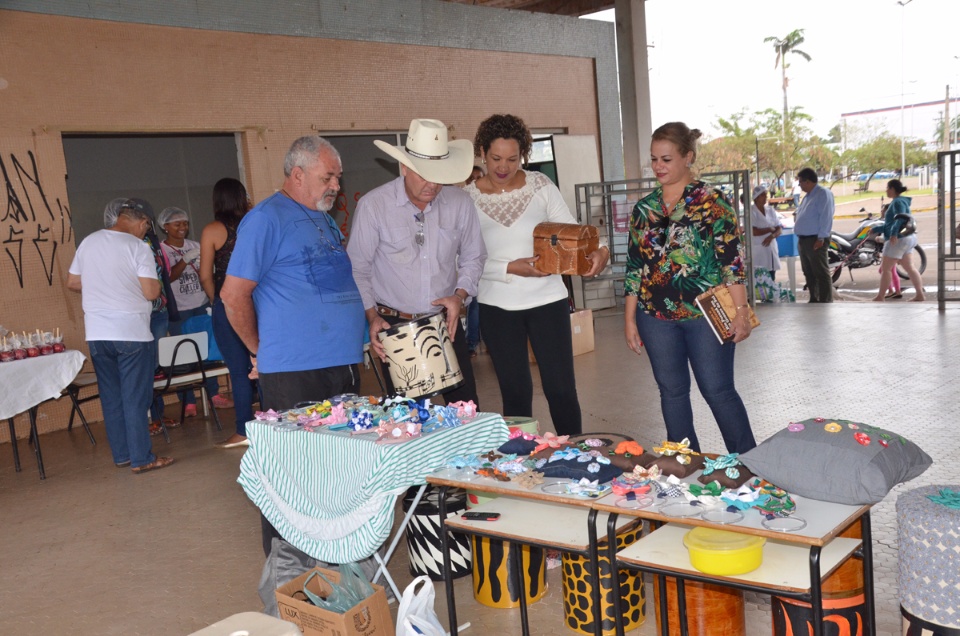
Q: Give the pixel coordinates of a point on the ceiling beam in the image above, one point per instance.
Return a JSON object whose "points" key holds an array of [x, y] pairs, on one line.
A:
{"points": [[555, 7]]}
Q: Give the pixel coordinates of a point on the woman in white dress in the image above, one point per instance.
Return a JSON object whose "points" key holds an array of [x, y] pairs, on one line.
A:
{"points": [[766, 229]]}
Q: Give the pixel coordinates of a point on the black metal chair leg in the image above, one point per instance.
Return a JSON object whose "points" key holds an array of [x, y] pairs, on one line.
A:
{"points": [[83, 419], [13, 444], [213, 409], [36, 442]]}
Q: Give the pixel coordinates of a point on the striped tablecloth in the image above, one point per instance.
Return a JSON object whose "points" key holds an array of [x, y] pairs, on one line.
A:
{"points": [[332, 495]]}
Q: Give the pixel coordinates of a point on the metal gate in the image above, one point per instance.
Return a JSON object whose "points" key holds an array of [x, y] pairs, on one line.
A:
{"points": [[948, 255], [609, 205]]}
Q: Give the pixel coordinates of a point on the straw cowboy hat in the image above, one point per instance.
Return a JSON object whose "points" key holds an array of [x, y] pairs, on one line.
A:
{"points": [[430, 155]]}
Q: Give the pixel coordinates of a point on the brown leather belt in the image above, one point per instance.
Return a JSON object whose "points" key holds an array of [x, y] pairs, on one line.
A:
{"points": [[390, 312]]}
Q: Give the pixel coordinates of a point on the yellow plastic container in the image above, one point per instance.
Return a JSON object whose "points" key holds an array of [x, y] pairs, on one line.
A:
{"points": [[724, 553]]}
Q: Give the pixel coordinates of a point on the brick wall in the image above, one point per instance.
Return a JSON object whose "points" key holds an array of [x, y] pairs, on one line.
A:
{"points": [[70, 74]]}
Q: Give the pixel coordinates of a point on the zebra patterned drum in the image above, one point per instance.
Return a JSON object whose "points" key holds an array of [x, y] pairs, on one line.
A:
{"points": [[423, 535], [420, 357]]}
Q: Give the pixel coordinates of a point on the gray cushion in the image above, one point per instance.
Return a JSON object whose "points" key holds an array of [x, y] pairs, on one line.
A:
{"points": [[821, 463]]}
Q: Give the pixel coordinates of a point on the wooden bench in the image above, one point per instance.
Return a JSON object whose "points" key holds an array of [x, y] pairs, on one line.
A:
{"points": [[776, 201]]}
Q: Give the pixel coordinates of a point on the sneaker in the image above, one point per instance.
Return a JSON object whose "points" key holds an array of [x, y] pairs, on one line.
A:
{"points": [[220, 402], [190, 411]]}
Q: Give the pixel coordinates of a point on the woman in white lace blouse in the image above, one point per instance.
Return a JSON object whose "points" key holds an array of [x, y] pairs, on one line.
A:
{"points": [[517, 301]]}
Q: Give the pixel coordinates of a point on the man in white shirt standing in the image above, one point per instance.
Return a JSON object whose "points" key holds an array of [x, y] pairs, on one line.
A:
{"points": [[416, 245], [116, 273]]}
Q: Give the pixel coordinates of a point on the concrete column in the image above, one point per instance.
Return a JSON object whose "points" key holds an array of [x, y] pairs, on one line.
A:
{"points": [[634, 75]]}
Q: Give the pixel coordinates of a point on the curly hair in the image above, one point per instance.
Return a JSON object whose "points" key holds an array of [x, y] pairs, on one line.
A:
{"points": [[503, 127]]}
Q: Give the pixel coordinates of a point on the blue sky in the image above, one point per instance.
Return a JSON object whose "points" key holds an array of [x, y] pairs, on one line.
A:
{"points": [[709, 60]]}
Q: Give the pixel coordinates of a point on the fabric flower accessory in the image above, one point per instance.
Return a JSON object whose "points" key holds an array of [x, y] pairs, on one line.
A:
{"points": [[587, 488], [362, 421], [628, 449], [465, 410], [338, 415], [946, 497], [529, 479], [463, 461], [517, 433], [652, 473], [627, 484], [268, 416], [744, 498], [390, 432], [669, 448], [549, 440], [727, 463]]}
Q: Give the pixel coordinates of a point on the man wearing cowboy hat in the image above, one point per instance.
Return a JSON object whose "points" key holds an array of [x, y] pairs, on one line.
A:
{"points": [[416, 246]]}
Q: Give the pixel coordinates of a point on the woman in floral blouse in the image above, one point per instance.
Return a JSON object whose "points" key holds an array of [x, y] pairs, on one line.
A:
{"points": [[685, 239]]}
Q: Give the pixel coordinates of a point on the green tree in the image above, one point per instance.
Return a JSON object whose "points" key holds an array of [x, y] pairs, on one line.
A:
{"points": [[835, 135], [747, 139], [783, 46], [883, 153], [954, 131]]}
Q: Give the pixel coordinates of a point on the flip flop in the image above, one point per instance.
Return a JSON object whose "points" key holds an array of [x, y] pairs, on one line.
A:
{"points": [[157, 464]]}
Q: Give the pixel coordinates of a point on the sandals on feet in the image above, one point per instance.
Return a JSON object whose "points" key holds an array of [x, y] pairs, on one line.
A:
{"points": [[157, 464], [155, 428]]}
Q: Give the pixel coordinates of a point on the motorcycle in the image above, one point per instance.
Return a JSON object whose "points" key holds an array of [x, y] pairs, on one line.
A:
{"points": [[863, 248]]}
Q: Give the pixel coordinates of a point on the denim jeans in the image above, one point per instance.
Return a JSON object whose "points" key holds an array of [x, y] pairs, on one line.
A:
{"points": [[673, 348], [473, 325], [159, 322], [125, 381], [176, 329], [237, 359]]}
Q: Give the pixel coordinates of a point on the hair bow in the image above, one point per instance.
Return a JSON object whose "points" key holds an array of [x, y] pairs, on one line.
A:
{"points": [[268, 416], [627, 484], [391, 432], [515, 433], [652, 473], [549, 440], [669, 448], [728, 462], [338, 415], [465, 410]]}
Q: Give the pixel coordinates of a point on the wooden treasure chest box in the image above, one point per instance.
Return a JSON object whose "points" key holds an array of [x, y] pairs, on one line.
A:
{"points": [[563, 247]]}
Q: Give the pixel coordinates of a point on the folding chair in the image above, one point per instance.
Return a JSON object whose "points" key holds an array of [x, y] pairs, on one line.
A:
{"points": [[182, 359], [82, 381]]}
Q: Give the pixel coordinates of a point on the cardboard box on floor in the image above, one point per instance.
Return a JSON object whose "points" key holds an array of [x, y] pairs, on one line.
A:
{"points": [[368, 618], [581, 328]]}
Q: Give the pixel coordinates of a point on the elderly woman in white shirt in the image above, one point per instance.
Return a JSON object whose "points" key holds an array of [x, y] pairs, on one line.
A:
{"points": [[766, 229]]}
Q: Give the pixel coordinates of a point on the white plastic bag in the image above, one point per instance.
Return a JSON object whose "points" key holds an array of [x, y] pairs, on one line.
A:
{"points": [[416, 615]]}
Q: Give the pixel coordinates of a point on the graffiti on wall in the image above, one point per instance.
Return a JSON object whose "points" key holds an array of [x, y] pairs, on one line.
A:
{"points": [[28, 221]]}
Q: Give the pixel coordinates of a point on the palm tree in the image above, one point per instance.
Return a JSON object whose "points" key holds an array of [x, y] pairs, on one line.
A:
{"points": [[782, 46]]}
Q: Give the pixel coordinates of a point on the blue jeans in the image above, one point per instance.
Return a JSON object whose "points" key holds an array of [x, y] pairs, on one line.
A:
{"points": [[176, 329], [673, 348], [125, 381], [159, 321], [473, 325], [237, 359]]}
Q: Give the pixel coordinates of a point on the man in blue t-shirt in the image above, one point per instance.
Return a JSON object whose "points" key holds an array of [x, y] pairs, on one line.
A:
{"points": [[289, 291]]}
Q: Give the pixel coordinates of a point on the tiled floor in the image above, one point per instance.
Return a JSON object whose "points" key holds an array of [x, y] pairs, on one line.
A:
{"points": [[97, 550]]}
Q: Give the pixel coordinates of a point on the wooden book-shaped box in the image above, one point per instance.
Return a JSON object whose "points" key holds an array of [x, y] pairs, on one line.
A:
{"points": [[563, 247]]}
